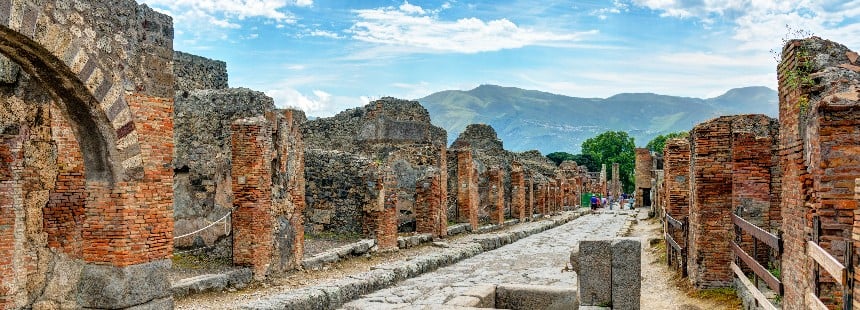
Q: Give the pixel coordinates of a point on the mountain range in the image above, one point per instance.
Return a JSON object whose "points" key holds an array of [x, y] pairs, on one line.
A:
{"points": [[536, 120]]}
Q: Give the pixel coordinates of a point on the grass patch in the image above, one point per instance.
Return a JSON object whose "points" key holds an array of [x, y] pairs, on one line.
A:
{"points": [[720, 296]]}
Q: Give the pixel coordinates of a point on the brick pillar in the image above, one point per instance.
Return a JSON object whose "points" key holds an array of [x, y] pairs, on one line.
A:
{"points": [[676, 166], [541, 197], [467, 189], [11, 183], [643, 176], [710, 223], [497, 196], [253, 218], [381, 221], [518, 197], [616, 181], [530, 194], [428, 207], [442, 227], [65, 209]]}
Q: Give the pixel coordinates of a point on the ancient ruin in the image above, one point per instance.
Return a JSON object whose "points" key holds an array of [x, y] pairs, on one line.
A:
{"points": [[112, 165]]}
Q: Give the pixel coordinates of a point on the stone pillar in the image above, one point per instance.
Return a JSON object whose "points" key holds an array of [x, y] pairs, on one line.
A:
{"points": [[541, 189], [518, 197], [603, 185], [608, 272], [467, 189], [381, 215]]}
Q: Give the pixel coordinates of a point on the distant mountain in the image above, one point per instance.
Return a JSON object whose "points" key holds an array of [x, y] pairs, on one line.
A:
{"points": [[529, 119]]}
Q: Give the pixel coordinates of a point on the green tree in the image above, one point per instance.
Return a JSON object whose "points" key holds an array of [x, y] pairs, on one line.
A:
{"points": [[559, 157], [613, 147], [659, 142], [580, 159]]}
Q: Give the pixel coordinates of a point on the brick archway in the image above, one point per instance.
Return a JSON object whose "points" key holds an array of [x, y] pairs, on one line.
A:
{"points": [[106, 217]]}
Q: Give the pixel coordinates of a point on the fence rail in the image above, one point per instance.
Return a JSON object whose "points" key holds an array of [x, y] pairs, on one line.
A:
{"points": [[674, 250], [842, 272], [759, 271]]}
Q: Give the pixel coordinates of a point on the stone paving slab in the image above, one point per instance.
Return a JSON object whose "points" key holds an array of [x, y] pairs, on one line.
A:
{"points": [[534, 260], [333, 295]]}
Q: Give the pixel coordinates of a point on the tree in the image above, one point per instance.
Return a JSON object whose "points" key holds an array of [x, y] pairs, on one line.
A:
{"points": [[659, 142], [580, 159], [613, 147], [559, 157]]}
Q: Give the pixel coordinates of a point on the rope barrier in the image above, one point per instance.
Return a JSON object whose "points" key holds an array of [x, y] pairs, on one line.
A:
{"points": [[223, 218]]}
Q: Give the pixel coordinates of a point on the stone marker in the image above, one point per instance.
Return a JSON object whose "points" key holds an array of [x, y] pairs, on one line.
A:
{"points": [[626, 273], [595, 272]]}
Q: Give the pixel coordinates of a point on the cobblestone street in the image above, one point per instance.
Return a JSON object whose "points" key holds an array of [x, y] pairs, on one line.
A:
{"points": [[535, 260]]}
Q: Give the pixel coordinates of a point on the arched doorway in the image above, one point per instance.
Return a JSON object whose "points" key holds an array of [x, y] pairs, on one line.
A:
{"points": [[84, 169]]}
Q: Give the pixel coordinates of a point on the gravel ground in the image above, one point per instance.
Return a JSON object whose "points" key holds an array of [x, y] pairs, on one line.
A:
{"points": [[662, 288]]}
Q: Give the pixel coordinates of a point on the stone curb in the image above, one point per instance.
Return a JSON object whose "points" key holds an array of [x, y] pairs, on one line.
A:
{"points": [[337, 293], [413, 241], [358, 248], [238, 279]]}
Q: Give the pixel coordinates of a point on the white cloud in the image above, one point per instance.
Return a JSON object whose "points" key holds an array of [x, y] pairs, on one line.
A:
{"points": [[409, 26], [304, 2], [761, 25], [318, 103], [411, 9], [325, 34], [616, 8]]}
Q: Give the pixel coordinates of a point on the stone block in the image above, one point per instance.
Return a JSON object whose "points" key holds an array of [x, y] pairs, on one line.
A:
{"points": [[626, 273], [464, 301], [111, 287], [518, 296], [239, 278], [486, 294], [595, 275], [199, 284]]}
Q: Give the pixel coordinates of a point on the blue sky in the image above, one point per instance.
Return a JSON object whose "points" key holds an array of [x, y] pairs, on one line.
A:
{"points": [[324, 56]]}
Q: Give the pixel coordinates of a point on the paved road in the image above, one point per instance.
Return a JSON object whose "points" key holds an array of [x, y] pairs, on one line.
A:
{"points": [[537, 260]]}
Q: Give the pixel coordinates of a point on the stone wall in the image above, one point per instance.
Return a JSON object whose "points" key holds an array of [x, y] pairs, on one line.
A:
{"points": [[391, 133], [202, 164], [194, 72], [818, 145]]}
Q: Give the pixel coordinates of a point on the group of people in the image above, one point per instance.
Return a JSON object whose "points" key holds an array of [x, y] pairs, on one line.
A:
{"points": [[601, 201]]}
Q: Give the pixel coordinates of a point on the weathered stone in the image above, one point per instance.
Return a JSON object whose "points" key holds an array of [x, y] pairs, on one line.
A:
{"points": [[626, 273], [108, 286], [520, 296], [194, 72], [595, 272]]}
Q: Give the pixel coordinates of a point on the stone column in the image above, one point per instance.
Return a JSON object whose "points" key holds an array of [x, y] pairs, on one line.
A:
{"points": [[518, 197], [467, 189], [497, 196]]}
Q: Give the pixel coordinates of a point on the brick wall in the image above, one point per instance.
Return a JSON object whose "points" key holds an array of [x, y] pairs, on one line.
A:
{"points": [[381, 219], [819, 147], [65, 210]]}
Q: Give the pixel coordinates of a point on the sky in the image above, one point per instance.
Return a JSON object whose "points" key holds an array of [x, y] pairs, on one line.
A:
{"points": [[325, 56]]}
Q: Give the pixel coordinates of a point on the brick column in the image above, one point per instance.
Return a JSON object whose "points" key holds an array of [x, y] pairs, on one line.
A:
{"points": [[710, 223], [381, 219], [11, 190], [642, 176], [429, 217], [467, 189], [752, 158], [676, 166], [496, 196], [530, 194], [251, 178], [518, 197]]}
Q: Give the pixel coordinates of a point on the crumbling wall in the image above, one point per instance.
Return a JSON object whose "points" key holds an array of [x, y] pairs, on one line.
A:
{"points": [[818, 145], [194, 72], [395, 132], [202, 163]]}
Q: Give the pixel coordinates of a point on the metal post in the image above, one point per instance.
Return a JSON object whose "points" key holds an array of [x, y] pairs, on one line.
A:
{"points": [[685, 227]]}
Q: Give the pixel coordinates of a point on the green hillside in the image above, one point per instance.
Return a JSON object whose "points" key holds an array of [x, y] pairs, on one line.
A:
{"points": [[529, 119]]}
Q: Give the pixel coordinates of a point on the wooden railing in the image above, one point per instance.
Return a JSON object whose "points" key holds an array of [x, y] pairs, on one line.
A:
{"points": [[842, 272], [674, 250], [760, 272]]}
